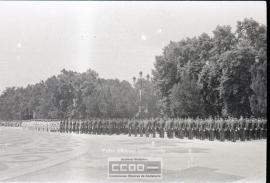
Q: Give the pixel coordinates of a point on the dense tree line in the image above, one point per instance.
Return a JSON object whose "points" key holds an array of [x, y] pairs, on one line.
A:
{"points": [[220, 75], [76, 95]]}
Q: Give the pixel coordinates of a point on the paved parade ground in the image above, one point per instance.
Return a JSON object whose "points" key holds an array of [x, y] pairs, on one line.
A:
{"points": [[55, 157]]}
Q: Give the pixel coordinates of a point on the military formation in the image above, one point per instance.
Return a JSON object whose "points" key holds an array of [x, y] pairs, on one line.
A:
{"points": [[41, 125], [230, 129], [212, 129]]}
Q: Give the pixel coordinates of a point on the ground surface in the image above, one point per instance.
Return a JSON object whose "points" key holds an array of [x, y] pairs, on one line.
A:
{"points": [[54, 157]]}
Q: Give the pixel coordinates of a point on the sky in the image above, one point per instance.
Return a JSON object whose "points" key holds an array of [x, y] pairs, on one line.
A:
{"points": [[115, 39]]}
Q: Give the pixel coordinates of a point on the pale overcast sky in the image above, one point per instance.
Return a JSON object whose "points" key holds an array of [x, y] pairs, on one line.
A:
{"points": [[116, 39]]}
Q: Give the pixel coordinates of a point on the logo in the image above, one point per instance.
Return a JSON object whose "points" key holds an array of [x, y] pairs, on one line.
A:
{"points": [[135, 168]]}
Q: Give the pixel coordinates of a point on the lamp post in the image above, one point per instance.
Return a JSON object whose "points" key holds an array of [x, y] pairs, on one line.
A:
{"points": [[140, 80], [140, 106]]}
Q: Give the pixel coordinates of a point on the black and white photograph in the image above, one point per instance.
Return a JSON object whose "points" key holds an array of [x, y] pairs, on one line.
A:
{"points": [[133, 91]]}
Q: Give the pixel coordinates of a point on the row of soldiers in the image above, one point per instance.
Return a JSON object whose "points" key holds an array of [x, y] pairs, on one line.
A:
{"points": [[220, 129], [42, 125]]}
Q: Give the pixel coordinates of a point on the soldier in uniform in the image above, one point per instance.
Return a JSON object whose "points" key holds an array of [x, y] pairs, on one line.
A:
{"points": [[211, 131], [78, 126], [90, 126], [154, 128], [147, 129], [162, 129], [83, 127], [257, 130], [206, 129], [190, 132], [110, 124], [61, 126], [264, 128], [141, 129], [252, 130], [196, 129], [181, 130], [136, 128], [74, 126], [94, 126], [249, 128], [234, 132], [222, 131], [65, 126], [70, 126], [130, 128], [217, 128], [119, 126], [242, 130]]}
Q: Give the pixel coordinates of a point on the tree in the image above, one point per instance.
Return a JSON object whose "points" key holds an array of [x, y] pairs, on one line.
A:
{"points": [[236, 80]]}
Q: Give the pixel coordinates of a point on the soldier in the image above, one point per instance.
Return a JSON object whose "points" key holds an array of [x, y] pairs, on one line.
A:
{"points": [[249, 130], [90, 126], [61, 126], [66, 126], [78, 127], [135, 129], [196, 129], [70, 126], [119, 127], [211, 130], [206, 129], [83, 126], [162, 129], [252, 130], [234, 131], [141, 131], [147, 128], [94, 126], [86, 126], [125, 126], [257, 130], [172, 128], [154, 128], [264, 128], [242, 129], [217, 128], [181, 130], [103, 126], [222, 130], [110, 127], [129, 128], [190, 131]]}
